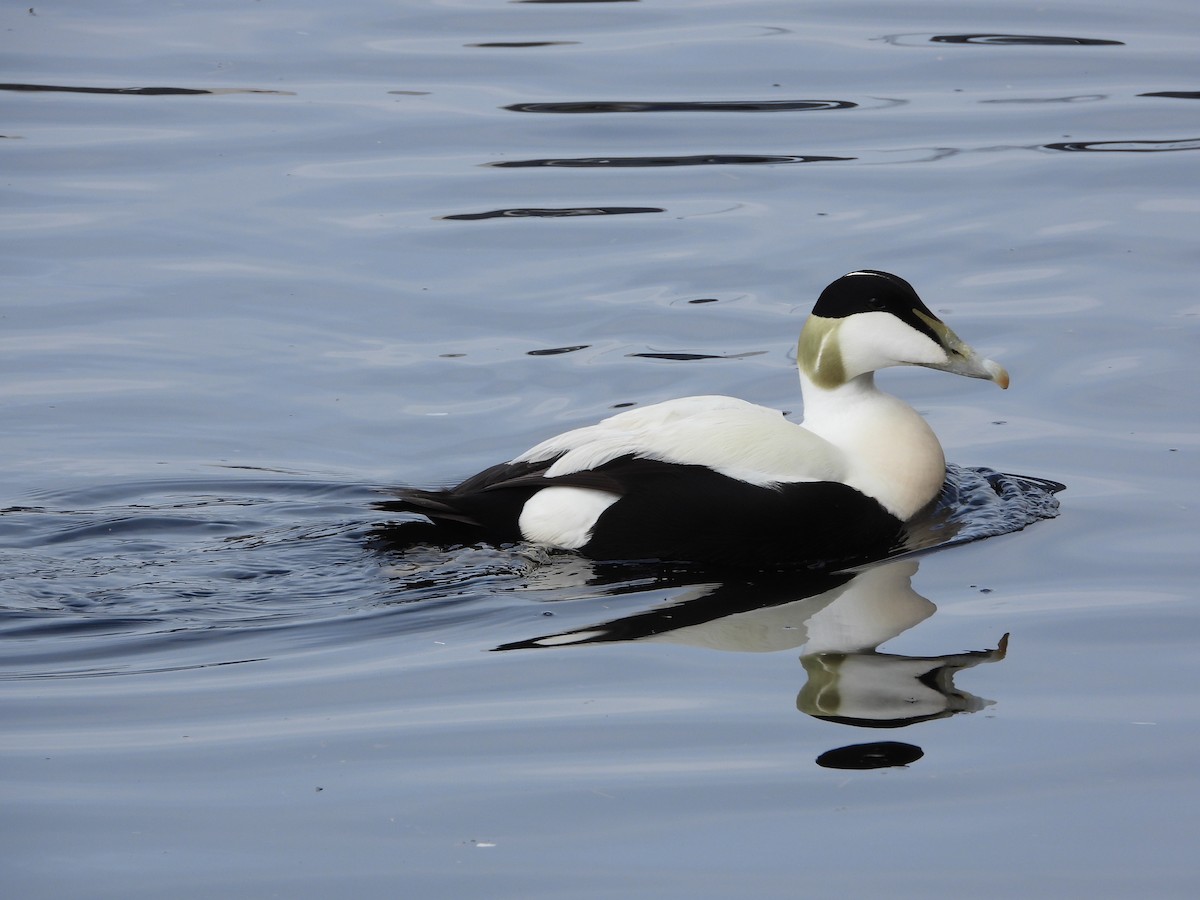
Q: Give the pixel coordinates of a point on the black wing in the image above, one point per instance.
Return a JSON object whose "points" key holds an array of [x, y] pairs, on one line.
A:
{"points": [[671, 512]]}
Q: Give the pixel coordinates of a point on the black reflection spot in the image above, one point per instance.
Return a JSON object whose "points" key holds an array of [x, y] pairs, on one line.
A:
{"points": [[1021, 39], [554, 351], [100, 90], [150, 91], [520, 213], [1177, 95], [876, 755], [620, 162], [677, 357], [682, 106], [523, 44], [704, 300], [576, 1], [1127, 146]]}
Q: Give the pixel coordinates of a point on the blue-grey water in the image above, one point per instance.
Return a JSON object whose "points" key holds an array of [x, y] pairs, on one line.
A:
{"points": [[262, 259]]}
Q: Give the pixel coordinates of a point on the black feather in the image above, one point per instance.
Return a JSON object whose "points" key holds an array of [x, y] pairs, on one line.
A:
{"points": [[872, 291], [484, 507], [691, 513], [671, 512]]}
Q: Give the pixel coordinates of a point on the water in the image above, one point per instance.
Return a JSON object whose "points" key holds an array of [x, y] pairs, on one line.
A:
{"points": [[396, 243]]}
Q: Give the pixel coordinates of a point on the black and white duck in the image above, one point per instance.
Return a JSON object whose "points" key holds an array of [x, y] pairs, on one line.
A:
{"points": [[717, 480]]}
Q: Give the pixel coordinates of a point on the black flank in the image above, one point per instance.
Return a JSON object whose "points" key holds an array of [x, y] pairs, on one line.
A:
{"points": [[670, 512], [693, 514]]}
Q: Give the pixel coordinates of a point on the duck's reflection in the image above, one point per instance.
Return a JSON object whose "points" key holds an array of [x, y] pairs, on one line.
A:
{"points": [[882, 690], [839, 619], [836, 619]]}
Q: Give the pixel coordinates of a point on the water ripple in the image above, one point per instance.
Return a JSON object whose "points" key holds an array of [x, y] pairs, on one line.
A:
{"points": [[627, 106], [507, 44], [1127, 146], [525, 213], [1022, 39], [705, 159], [555, 351], [145, 91], [160, 576], [997, 40], [976, 503], [689, 357]]}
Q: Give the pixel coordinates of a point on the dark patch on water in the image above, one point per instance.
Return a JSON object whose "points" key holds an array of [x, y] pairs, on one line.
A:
{"points": [[1024, 40], [1177, 95], [1127, 146], [555, 351], [144, 91], [876, 755], [508, 44], [566, 212], [676, 356], [998, 40], [637, 106], [707, 159]]}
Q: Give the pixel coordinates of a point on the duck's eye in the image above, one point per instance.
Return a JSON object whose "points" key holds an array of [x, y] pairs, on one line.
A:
{"points": [[876, 303]]}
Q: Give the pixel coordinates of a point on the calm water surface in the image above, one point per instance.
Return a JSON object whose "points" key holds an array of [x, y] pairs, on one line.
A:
{"points": [[261, 260]]}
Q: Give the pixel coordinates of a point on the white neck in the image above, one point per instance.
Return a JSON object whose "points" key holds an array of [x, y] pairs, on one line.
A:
{"points": [[891, 453]]}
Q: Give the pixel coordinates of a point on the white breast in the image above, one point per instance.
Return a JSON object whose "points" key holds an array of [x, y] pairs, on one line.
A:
{"points": [[891, 453]]}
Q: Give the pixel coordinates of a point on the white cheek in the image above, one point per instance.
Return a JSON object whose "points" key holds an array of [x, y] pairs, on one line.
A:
{"points": [[876, 340], [563, 516]]}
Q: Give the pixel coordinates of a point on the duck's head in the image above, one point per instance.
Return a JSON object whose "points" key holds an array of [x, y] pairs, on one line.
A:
{"points": [[871, 320]]}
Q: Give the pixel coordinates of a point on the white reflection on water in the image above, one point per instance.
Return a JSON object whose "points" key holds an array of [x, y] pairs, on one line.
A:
{"points": [[838, 619]]}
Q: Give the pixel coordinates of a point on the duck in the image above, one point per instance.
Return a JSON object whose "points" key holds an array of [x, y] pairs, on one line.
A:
{"points": [[716, 480]]}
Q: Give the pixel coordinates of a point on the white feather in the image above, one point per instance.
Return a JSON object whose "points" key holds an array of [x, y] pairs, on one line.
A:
{"points": [[739, 439], [563, 516], [854, 434]]}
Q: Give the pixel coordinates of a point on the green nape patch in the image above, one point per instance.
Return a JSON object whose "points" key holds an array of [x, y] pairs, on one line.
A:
{"points": [[819, 352]]}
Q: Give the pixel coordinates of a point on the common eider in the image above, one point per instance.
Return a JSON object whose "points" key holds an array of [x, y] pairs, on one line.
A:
{"points": [[717, 480]]}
